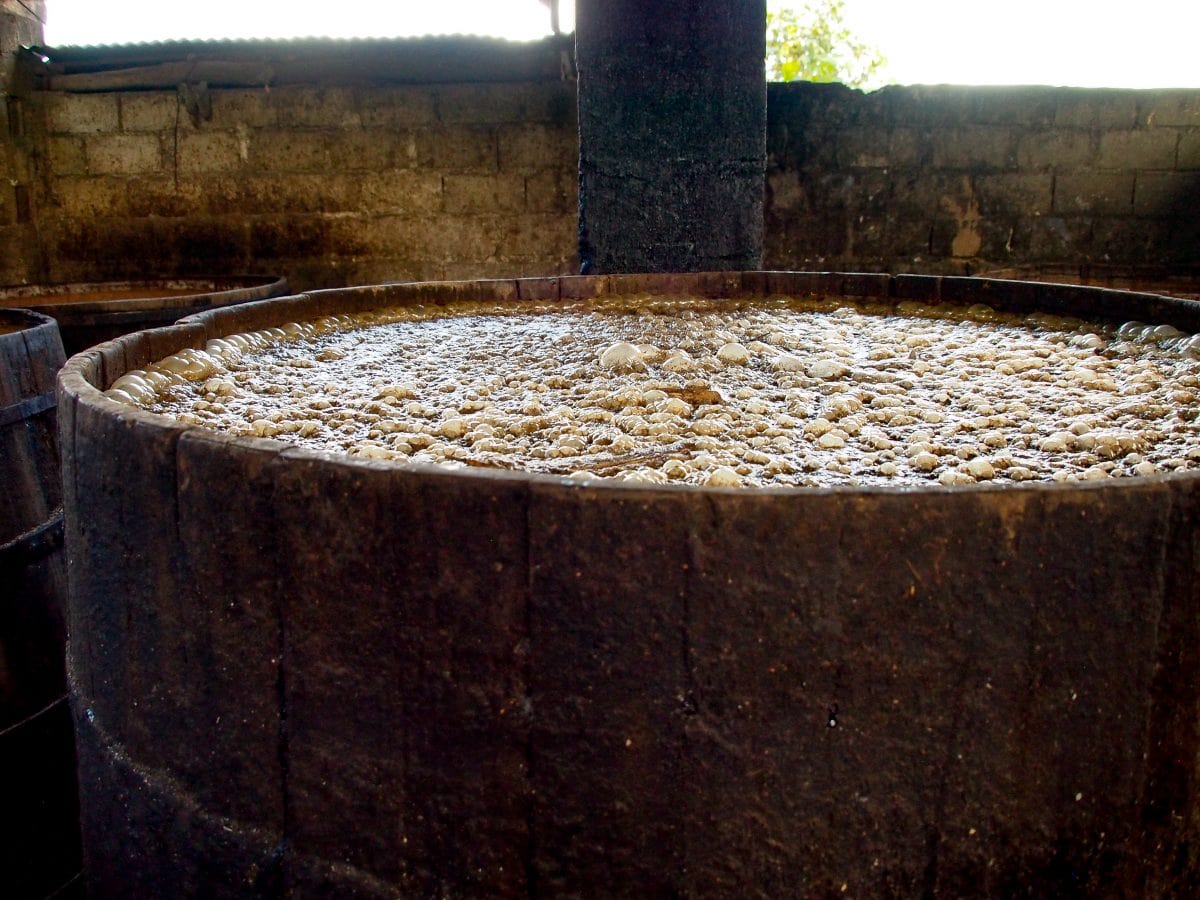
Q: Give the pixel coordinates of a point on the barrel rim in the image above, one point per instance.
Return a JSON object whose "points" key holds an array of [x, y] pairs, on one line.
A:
{"points": [[78, 380], [32, 318], [227, 288]]}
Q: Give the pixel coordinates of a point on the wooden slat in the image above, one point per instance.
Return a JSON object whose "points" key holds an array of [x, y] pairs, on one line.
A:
{"points": [[29, 359]]}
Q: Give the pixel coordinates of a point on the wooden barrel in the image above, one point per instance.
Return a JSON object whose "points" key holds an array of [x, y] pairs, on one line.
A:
{"points": [[301, 672], [88, 313], [39, 812], [1170, 282]]}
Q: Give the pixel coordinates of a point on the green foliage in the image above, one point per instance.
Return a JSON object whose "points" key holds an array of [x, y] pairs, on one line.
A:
{"points": [[809, 41]]}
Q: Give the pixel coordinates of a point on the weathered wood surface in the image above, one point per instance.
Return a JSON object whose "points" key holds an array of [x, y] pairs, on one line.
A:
{"points": [[296, 672], [89, 313], [39, 814]]}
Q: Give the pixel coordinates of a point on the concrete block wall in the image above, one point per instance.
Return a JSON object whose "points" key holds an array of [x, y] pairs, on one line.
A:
{"points": [[329, 185], [966, 179], [20, 25], [333, 183]]}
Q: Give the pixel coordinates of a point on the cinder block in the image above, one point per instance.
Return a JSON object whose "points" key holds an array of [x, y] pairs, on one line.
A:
{"points": [[1151, 148], [112, 248], [484, 193], [1014, 195], [96, 197], [1085, 108], [1058, 238], [977, 148], [552, 191], [151, 111], [449, 238], [308, 107], [785, 192], [19, 167], [123, 154], [940, 106], [923, 194], [1005, 238], [156, 197], [529, 148], [65, 155], [88, 198], [1130, 241], [81, 113], [457, 149], [905, 236], [396, 106], [16, 266], [907, 147], [495, 104], [278, 150], [1181, 108], [291, 235], [506, 267], [274, 193], [243, 107], [379, 270], [1056, 149], [541, 236], [401, 191], [1098, 193], [364, 149], [210, 244], [867, 237], [864, 147], [386, 235], [1029, 106], [211, 151], [1166, 194], [1188, 154]]}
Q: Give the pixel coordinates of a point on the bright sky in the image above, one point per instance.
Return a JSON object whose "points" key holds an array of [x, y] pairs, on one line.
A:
{"points": [[1085, 43], [132, 21]]}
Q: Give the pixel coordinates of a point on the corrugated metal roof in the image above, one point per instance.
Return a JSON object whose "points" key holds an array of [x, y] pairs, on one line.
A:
{"points": [[257, 45], [315, 39], [230, 62]]}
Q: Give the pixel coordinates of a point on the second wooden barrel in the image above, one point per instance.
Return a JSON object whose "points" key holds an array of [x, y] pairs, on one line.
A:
{"points": [[89, 313], [39, 813]]}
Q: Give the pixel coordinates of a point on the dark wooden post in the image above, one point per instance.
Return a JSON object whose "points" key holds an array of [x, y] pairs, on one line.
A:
{"points": [[672, 134]]}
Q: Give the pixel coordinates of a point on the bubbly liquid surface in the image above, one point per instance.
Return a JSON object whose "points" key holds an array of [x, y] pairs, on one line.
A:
{"points": [[682, 390]]}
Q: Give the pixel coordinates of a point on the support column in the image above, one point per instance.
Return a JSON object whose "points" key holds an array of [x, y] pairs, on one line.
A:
{"points": [[672, 134]]}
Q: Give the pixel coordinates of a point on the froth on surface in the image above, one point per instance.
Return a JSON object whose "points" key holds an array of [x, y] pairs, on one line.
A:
{"points": [[726, 393]]}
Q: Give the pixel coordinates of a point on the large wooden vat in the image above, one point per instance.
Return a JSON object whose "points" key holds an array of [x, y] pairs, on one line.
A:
{"points": [[88, 313], [300, 673], [39, 810]]}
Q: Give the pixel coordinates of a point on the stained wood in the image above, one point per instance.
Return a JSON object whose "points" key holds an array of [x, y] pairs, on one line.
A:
{"points": [[30, 357], [32, 583], [485, 683], [39, 813]]}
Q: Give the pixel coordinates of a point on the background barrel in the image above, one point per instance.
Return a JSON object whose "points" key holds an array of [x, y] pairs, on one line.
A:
{"points": [[88, 313], [39, 812], [300, 672]]}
